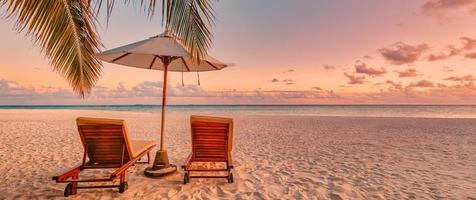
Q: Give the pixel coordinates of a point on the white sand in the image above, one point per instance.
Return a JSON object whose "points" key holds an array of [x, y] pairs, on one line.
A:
{"points": [[285, 157]]}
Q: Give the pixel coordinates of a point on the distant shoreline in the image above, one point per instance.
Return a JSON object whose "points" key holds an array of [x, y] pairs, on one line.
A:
{"points": [[231, 105]]}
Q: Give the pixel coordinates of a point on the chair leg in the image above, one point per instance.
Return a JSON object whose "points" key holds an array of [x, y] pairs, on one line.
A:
{"points": [[74, 188], [148, 157], [123, 184]]}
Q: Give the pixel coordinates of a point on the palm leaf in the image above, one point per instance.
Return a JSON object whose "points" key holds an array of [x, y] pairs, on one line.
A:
{"points": [[189, 21], [65, 30], [148, 5]]}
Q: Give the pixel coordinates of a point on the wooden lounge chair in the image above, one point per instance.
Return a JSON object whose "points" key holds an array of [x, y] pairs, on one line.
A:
{"points": [[212, 140], [106, 145]]}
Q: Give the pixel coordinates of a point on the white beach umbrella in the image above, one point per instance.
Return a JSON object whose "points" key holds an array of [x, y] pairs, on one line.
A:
{"points": [[162, 52]]}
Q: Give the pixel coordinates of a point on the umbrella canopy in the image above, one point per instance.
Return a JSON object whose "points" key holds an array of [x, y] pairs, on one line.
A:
{"points": [[161, 52], [149, 54]]}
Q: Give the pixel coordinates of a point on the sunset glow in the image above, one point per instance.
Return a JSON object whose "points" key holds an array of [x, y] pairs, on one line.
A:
{"points": [[281, 52]]}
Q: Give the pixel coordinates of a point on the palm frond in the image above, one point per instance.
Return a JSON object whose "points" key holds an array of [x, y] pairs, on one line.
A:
{"points": [[65, 31], [148, 5], [189, 21]]}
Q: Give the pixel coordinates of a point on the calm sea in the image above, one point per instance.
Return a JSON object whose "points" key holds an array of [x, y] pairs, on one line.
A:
{"points": [[430, 111]]}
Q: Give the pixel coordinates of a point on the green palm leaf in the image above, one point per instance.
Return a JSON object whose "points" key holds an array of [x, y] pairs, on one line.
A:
{"points": [[65, 30]]}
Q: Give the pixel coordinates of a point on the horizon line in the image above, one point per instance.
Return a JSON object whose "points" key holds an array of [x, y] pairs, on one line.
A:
{"points": [[360, 104]]}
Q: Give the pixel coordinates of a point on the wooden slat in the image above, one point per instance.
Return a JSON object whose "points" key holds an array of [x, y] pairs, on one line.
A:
{"points": [[101, 130], [211, 133], [211, 145], [102, 141], [106, 154], [207, 125], [104, 137], [209, 140], [208, 154], [210, 127]]}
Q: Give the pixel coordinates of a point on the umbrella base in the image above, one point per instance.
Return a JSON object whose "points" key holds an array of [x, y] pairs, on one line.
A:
{"points": [[160, 171], [161, 166]]}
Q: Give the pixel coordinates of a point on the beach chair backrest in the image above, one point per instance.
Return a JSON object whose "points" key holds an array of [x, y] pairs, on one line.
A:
{"points": [[212, 138], [105, 140]]}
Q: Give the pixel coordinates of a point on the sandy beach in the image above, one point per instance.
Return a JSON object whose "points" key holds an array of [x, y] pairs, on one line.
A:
{"points": [[275, 157]]}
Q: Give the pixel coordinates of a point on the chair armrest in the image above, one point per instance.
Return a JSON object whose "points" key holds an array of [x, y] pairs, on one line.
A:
{"points": [[67, 174], [124, 167]]}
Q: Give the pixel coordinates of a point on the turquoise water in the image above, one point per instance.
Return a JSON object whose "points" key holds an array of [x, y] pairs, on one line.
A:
{"points": [[431, 111]]}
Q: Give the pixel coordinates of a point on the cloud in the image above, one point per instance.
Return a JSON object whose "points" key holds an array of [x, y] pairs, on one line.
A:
{"points": [[440, 7], [410, 72], [368, 57], [147, 89], [329, 67], [149, 92], [362, 68], [11, 92], [461, 85], [353, 79], [316, 88], [471, 55], [452, 51], [422, 83], [469, 43], [288, 81], [461, 78], [289, 71], [439, 56], [12, 89], [448, 69], [274, 80], [401, 53], [394, 85]]}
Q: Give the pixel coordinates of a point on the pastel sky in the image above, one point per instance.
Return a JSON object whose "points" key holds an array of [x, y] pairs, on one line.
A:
{"points": [[282, 52]]}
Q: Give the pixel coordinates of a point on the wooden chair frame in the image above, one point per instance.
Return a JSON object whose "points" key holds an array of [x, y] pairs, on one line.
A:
{"points": [[187, 167], [72, 176]]}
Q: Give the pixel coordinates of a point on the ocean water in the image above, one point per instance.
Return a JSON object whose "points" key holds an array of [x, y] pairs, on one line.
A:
{"points": [[427, 111]]}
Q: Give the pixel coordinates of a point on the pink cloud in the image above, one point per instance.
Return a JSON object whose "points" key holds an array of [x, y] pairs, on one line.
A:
{"points": [[316, 88], [422, 83], [410, 72], [288, 81], [353, 79], [149, 91], [329, 67], [471, 55], [467, 44], [362, 68], [448, 69], [440, 7], [401, 53], [394, 85], [461, 78]]}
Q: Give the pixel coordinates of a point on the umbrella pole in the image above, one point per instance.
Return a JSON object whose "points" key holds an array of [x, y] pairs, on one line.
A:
{"points": [[161, 165], [164, 101]]}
